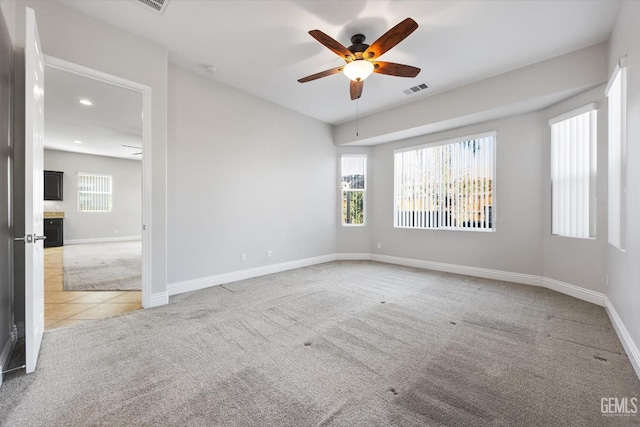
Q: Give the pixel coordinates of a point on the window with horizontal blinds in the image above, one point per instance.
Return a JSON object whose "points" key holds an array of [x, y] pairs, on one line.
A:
{"points": [[617, 102], [448, 185], [353, 186], [573, 173], [94, 192]]}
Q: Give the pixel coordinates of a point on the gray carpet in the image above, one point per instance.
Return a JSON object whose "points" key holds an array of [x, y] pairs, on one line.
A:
{"points": [[112, 266], [338, 344]]}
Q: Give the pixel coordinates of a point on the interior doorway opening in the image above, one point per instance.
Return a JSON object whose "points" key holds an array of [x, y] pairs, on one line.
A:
{"points": [[101, 266]]}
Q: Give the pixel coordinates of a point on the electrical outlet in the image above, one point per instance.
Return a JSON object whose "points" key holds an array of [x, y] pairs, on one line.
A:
{"points": [[269, 254], [243, 257], [379, 245]]}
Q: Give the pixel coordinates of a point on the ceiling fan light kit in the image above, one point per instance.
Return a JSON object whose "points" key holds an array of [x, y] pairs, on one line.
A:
{"points": [[358, 70], [359, 57]]}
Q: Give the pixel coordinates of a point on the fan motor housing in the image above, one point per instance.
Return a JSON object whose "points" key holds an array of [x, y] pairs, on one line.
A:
{"points": [[358, 46]]}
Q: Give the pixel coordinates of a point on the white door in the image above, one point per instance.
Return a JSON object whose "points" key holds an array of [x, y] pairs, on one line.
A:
{"points": [[34, 193]]}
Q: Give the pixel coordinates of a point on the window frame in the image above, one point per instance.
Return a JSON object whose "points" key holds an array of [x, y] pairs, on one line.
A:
{"points": [[592, 169], [363, 191], [617, 171], [92, 193], [494, 159]]}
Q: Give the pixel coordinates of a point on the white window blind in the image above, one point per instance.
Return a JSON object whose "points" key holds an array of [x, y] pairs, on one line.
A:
{"points": [[573, 173], [353, 186], [617, 102], [448, 185], [94, 192]]}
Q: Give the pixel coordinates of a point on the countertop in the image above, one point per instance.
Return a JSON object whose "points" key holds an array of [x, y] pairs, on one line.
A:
{"points": [[56, 214]]}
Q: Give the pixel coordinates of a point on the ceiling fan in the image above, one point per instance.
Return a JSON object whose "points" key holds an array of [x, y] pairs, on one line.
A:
{"points": [[360, 57]]}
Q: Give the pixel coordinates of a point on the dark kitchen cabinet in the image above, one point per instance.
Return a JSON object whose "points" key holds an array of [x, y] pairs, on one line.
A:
{"points": [[54, 231], [53, 185]]}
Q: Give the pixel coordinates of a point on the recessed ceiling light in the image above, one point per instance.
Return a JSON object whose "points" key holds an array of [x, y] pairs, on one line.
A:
{"points": [[84, 101], [77, 141]]}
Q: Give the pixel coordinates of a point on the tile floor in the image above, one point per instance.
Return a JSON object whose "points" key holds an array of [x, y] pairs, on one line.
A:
{"points": [[64, 308]]}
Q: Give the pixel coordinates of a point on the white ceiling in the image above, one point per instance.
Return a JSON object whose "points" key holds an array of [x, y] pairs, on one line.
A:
{"points": [[262, 47], [114, 119]]}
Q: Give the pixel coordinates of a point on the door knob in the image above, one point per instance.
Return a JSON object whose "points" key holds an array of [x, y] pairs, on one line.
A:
{"points": [[30, 238]]}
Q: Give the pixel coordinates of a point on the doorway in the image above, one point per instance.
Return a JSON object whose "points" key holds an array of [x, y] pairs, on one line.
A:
{"points": [[102, 158]]}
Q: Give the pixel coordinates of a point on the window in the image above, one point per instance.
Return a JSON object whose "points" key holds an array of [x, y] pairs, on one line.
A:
{"points": [[447, 185], [354, 186], [94, 192], [573, 173], [617, 99]]}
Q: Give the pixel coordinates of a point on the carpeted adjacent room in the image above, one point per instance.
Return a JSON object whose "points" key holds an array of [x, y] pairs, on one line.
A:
{"points": [[109, 266], [337, 344]]}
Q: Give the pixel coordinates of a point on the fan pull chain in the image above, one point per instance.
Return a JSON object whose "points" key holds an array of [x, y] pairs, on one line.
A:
{"points": [[357, 117]]}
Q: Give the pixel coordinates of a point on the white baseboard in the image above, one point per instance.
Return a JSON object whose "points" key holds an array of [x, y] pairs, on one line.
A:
{"points": [[353, 257], [7, 349], [625, 338], [507, 276], [220, 279], [525, 279], [102, 240], [588, 295], [161, 298]]}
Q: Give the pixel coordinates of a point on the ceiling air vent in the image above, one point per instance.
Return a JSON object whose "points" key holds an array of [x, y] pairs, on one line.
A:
{"points": [[158, 6], [414, 89]]}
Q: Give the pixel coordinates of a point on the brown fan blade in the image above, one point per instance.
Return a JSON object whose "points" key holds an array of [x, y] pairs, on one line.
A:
{"points": [[356, 89], [320, 74], [393, 69], [390, 38], [333, 45]]}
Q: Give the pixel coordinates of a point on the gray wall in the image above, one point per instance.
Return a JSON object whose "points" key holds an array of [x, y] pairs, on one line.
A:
{"points": [[245, 176], [515, 246], [6, 206], [123, 221], [624, 267], [522, 242]]}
